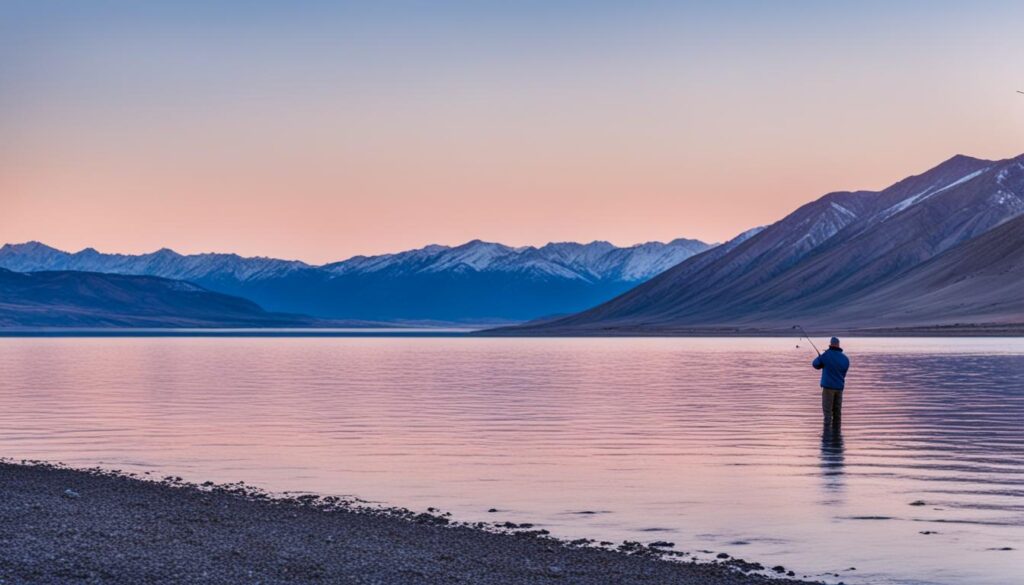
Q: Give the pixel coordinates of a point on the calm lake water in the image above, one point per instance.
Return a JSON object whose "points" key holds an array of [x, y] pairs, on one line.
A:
{"points": [[714, 444]]}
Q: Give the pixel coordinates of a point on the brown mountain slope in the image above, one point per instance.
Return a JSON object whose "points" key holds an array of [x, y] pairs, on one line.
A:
{"points": [[981, 281]]}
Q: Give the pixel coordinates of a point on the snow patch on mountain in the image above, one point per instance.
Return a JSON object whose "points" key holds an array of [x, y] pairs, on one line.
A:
{"points": [[843, 210], [928, 193], [744, 236], [827, 224]]}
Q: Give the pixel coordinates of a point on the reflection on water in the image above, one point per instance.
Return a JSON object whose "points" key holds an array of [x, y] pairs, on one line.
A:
{"points": [[832, 462], [714, 444]]}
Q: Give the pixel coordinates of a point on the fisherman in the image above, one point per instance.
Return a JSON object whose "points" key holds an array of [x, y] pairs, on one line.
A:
{"points": [[833, 365]]}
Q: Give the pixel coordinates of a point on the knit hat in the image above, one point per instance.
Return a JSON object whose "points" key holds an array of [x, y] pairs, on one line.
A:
{"points": [[834, 342]]}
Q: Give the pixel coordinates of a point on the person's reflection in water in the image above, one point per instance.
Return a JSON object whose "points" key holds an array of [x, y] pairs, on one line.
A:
{"points": [[832, 461]]}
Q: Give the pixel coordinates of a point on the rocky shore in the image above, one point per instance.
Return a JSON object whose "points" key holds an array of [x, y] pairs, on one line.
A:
{"points": [[59, 525]]}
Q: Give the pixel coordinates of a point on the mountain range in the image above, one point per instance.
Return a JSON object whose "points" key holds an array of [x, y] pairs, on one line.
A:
{"points": [[941, 249], [477, 281], [90, 299]]}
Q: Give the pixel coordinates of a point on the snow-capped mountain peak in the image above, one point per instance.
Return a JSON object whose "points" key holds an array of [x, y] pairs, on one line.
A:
{"points": [[34, 256], [594, 261]]}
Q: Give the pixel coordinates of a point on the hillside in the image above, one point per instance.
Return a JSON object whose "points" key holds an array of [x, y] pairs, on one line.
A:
{"points": [[85, 299], [980, 281], [830, 254]]}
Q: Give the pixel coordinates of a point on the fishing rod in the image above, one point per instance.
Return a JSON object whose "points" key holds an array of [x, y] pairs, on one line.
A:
{"points": [[805, 336]]}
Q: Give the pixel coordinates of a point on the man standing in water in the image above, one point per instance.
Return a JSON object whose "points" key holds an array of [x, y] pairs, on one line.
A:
{"points": [[833, 365]]}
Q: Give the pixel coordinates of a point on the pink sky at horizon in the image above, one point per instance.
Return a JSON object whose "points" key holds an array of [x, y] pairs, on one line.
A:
{"points": [[228, 236], [320, 139]]}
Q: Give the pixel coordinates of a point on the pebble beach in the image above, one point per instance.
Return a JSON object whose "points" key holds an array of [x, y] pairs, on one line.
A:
{"points": [[61, 525]]}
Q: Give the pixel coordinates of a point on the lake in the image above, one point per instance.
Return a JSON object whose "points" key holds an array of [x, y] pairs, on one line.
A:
{"points": [[714, 444]]}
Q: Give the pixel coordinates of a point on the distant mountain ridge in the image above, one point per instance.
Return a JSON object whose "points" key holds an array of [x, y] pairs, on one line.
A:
{"points": [[819, 264], [595, 261], [165, 263], [475, 281]]}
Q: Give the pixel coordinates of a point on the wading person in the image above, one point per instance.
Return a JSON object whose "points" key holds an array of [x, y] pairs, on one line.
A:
{"points": [[833, 365]]}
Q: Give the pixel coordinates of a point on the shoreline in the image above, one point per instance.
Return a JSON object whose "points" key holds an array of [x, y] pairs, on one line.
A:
{"points": [[965, 330], [994, 331], [60, 525]]}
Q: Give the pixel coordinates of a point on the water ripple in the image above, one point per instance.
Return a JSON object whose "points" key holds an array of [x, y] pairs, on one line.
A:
{"points": [[717, 441]]}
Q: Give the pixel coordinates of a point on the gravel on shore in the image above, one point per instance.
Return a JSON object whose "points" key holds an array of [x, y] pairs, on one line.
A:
{"points": [[60, 525]]}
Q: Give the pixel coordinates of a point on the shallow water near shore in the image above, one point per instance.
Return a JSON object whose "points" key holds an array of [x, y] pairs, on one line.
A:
{"points": [[713, 444]]}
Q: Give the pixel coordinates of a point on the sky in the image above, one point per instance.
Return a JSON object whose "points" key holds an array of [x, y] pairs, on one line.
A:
{"points": [[321, 130]]}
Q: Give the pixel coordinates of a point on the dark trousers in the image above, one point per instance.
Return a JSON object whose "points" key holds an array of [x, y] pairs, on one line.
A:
{"points": [[832, 406]]}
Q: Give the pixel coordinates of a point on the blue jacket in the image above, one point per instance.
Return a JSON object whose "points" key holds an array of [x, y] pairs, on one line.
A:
{"points": [[833, 365]]}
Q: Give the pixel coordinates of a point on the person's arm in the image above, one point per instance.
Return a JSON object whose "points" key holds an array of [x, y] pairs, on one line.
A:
{"points": [[817, 363]]}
